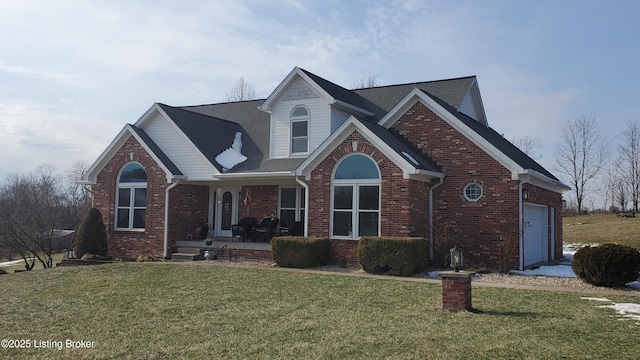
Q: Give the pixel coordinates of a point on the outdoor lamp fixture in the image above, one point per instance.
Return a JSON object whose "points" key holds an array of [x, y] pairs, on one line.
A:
{"points": [[456, 258], [525, 194]]}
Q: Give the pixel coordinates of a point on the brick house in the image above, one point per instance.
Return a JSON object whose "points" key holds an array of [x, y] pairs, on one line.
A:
{"points": [[413, 159]]}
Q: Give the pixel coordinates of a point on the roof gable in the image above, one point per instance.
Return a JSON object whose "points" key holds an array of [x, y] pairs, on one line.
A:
{"points": [[332, 93], [484, 137], [412, 162], [171, 170]]}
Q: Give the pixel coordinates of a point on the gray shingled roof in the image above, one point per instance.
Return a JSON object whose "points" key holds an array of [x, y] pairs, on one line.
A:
{"points": [[254, 125], [338, 92], [380, 100], [400, 145], [211, 127]]}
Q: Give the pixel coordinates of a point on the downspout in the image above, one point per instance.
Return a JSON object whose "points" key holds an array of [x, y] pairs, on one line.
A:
{"points": [[431, 240], [166, 218], [521, 222], [306, 205]]}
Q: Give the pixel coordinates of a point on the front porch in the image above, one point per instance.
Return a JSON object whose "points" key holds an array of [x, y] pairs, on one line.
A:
{"points": [[192, 250]]}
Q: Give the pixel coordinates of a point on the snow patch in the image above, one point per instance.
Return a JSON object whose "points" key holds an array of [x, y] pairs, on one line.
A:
{"points": [[7, 263], [595, 299], [232, 156], [564, 271], [410, 158], [629, 311]]}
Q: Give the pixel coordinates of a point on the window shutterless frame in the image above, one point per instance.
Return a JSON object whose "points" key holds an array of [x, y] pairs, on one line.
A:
{"points": [[131, 198], [355, 198], [299, 130], [291, 205]]}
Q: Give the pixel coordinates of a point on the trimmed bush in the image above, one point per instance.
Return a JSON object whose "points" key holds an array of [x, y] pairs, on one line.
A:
{"points": [[393, 255], [608, 265], [91, 236], [300, 252]]}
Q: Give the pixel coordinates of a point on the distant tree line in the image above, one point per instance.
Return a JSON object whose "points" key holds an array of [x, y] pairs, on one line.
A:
{"points": [[594, 164], [35, 208]]}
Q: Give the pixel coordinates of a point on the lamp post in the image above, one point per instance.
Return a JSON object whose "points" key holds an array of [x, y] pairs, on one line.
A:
{"points": [[456, 285], [456, 258]]}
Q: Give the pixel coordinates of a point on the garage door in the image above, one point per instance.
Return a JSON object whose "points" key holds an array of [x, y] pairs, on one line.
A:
{"points": [[535, 234]]}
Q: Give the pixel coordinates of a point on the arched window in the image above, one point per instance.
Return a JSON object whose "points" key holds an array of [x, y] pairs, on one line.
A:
{"points": [[355, 198], [300, 130], [131, 202]]}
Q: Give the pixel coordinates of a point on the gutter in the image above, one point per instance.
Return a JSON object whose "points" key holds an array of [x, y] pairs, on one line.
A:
{"points": [[431, 240], [521, 222], [270, 174], [166, 218], [306, 206]]}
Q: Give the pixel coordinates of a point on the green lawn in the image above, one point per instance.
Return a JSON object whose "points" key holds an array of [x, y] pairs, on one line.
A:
{"points": [[157, 310], [600, 229], [20, 265]]}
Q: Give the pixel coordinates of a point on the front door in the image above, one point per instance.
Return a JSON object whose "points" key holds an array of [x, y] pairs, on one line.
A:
{"points": [[226, 211]]}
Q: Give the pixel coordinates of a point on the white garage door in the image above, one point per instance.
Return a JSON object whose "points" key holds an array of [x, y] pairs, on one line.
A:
{"points": [[535, 234]]}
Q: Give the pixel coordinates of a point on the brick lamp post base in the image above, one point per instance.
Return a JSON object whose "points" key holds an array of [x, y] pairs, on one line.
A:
{"points": [[456, 290]]}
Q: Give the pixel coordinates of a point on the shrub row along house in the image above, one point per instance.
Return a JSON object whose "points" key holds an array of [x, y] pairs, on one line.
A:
{"points": [[404, 160]]}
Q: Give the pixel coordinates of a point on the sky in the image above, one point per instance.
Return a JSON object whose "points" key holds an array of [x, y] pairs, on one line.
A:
{"points": [[73, 73]]}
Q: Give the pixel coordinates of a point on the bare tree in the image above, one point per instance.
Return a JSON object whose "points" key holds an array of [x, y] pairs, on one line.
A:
{"points": [[370, 80], [529, 146], [621, 195], [610, 185], [240, 91], [77, 198], [581, 154], [30, 211], [629, 151]]}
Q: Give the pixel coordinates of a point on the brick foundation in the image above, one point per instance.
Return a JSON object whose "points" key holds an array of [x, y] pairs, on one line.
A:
{"points": [[456, 290]]}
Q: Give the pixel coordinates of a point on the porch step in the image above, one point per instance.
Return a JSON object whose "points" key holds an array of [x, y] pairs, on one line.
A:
{"points": [[186, 257], [191, 250]]}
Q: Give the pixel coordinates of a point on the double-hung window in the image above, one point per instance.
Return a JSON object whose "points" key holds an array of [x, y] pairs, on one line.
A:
{"points": [[355, 198], [291, 205], [300, 130], [131, 199]]}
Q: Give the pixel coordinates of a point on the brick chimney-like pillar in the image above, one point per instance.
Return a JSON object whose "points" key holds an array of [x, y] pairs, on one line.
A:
{"points": [[456, 290]]}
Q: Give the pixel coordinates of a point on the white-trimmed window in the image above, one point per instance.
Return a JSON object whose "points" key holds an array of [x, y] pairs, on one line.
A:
{"points": [[300, 130], [291, 205], [131, 199], [473, 191], [355, 198]]}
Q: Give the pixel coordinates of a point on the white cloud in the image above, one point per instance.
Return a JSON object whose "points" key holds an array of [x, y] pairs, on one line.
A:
{"points": [[525, 105], [60, 78], [31, 134]]}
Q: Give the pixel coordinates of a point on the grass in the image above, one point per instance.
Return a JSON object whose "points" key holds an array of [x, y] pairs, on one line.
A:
{"points": [[20, 265], [156, 310], [601, 229]]}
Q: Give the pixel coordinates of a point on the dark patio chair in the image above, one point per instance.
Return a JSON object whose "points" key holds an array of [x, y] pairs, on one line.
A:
{"points": [[244, 228], [297, 228], [267, 229]]}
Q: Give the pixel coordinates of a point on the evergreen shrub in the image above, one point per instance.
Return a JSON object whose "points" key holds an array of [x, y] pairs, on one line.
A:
{"points": [[91, 236], [400, 256], [608, 265], [300, 252]]}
